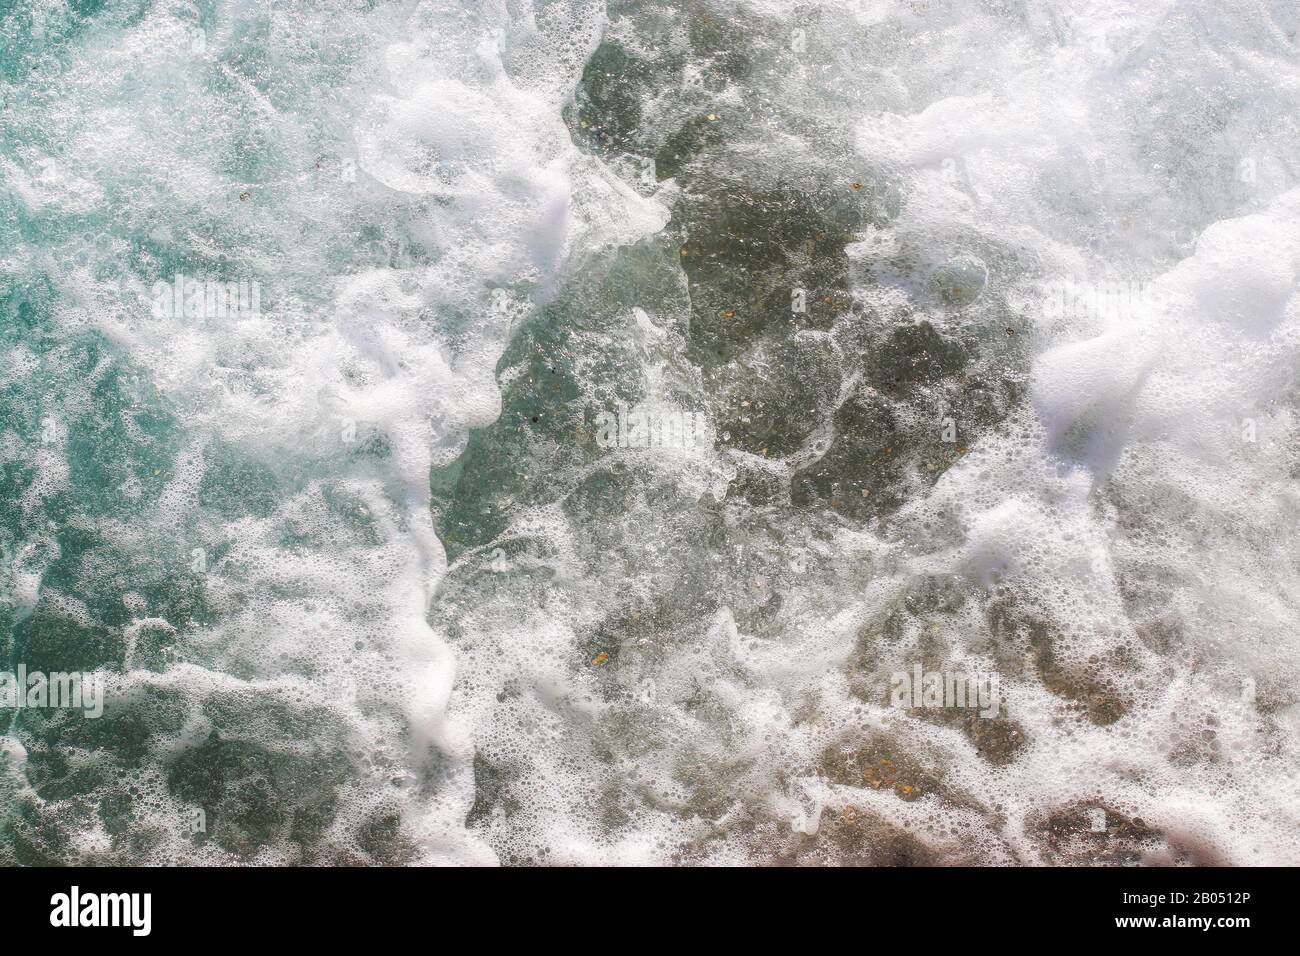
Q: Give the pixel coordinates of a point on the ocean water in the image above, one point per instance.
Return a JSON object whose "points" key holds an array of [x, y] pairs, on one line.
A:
{"points": [[544, 432]]}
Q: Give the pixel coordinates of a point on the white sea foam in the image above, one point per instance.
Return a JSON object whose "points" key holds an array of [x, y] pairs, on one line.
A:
{"points": [[403, 187]]}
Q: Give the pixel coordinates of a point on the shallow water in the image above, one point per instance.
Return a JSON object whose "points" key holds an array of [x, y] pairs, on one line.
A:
{"points": [[614, 399]]}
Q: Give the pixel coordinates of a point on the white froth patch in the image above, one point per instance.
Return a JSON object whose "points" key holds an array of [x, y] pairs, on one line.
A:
{"points": [[1244, 271]]}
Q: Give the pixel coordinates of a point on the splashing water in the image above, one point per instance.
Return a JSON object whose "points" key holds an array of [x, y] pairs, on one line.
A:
{"points": [[546, 431]]}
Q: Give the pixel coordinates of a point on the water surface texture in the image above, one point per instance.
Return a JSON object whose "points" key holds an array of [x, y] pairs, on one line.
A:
{"points": [[530, 432]]}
